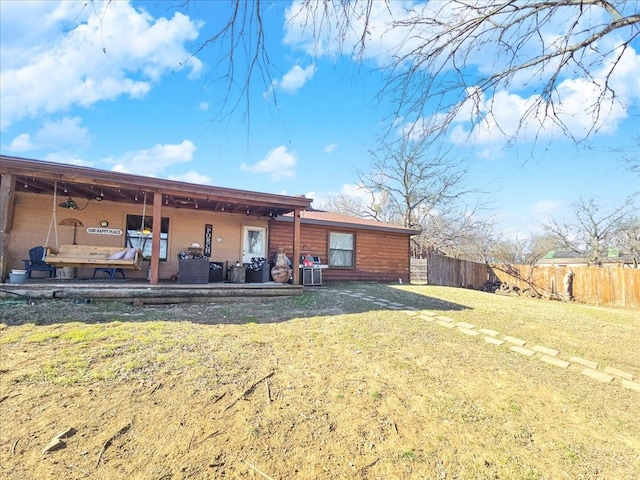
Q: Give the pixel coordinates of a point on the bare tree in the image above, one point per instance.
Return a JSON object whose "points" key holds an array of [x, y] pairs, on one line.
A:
{"points": [[592, 229], [537, 246], [414, 183], [535, 44], [451, 61], [628, 239], [465, 232], [409, 181], [631, 157], [522, 251], [345, 204]]}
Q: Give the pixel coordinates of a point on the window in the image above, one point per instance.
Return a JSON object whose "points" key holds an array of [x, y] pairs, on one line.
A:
{"points": [[139, 236], [340, 249]]}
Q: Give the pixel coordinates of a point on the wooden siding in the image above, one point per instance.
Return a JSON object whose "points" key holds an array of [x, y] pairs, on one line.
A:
{"points": [[379, 256], [611, 286]]}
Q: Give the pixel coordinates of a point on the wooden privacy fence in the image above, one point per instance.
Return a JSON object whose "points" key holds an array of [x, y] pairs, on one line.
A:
{"points": [[609, 286], [612, 286], [449, 272]]}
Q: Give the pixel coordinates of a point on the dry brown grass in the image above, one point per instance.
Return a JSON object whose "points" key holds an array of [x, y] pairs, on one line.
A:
{"points": [[320, 386]]}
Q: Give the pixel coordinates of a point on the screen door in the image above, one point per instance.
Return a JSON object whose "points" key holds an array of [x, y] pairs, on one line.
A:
{"points": [[254, 243]]}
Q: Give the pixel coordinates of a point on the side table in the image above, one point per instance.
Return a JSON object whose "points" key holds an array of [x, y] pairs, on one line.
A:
{"points": [[237, 274]]}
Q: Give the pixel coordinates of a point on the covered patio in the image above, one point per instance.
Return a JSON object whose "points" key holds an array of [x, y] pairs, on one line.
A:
{"points": [[29, 188]]}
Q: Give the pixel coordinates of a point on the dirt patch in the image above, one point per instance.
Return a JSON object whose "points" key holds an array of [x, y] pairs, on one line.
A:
{"points": [[320, 386]]}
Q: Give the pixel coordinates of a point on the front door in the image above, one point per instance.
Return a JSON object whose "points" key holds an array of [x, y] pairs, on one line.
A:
{"points": [[254, 243]]}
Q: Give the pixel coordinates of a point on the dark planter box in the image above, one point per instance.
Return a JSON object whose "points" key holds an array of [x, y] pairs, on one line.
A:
{"points": [[193, 270], [259, 276], [216, 272]]}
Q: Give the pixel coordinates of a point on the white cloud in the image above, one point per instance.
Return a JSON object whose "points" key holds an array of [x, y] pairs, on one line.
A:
{"points": [[544, 209], [355, 190], [331, 148], [388, 39], [192, 177], [508, 114], [53, 135], [279, 164], [203, 106], [67, 159], [67, 131], [86, 55], [21, 143], [381, 39], [293, 80], [153, 161]]}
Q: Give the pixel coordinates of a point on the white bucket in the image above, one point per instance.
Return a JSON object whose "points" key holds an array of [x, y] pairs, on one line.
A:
{"points": [[16, 277]]}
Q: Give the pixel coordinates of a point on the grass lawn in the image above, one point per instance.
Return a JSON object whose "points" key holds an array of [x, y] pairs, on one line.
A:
{"points": [[347, 381]]}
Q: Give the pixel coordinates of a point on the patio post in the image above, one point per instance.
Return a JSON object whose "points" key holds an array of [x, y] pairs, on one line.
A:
{"points": [[155, 238], [295, 261], [7, 199]]}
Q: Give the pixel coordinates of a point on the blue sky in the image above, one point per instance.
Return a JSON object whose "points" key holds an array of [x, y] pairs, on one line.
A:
{"points": [[120, 90]]}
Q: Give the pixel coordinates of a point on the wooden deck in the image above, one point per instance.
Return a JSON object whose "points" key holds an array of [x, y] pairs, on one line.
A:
{"points": [[131, 290]]}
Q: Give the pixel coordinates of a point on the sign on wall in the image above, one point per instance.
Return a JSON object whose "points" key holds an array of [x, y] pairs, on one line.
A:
{"points": [[208, 238], [104, 231]]}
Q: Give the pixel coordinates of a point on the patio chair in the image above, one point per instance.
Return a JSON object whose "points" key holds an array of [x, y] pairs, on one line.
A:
{"points": [[36, 263]]}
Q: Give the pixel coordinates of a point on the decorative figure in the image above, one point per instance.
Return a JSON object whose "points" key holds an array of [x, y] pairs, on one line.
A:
{"points": [[281, 271]]}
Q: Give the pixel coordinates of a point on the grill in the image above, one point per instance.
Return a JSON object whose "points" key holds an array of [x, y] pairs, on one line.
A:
{"points": [[311, 274]]}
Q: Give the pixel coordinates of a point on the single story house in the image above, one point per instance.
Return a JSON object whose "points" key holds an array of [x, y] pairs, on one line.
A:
{"points": [[44, 203], [355, 249], [613, 257]]}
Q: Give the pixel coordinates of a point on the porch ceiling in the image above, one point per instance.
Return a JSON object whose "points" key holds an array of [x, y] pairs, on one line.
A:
{"points": [[85, 185]]}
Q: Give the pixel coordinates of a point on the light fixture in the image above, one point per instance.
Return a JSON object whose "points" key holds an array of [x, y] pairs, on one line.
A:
{"points": [[25, 185], [136, 197], [69, 203], [75, 223]]}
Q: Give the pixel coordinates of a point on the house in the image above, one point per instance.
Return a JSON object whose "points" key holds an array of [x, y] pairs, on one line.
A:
{"points": [[44, 203], [562, 258], [355, 249], [568, 258]]}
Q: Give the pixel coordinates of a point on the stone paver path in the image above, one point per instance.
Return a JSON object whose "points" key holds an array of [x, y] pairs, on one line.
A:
{"points": [[608, 374]]}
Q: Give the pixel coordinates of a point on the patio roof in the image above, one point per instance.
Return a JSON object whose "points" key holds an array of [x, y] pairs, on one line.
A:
{"points": [[84, 184]]}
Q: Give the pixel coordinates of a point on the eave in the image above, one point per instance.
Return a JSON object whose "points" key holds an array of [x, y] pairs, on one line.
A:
{"points": [[90, 184]]}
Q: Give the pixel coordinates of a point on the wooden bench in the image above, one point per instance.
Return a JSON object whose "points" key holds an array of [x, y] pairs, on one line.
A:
{"points": [[92, 256]]}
